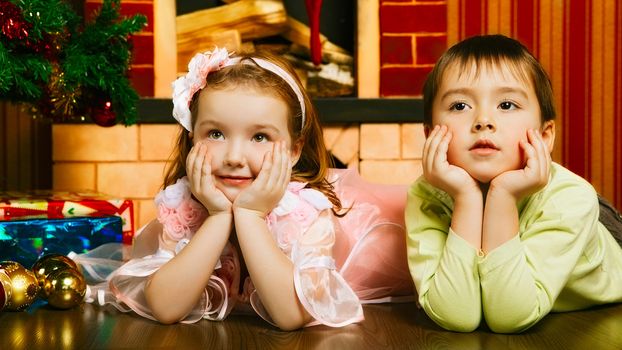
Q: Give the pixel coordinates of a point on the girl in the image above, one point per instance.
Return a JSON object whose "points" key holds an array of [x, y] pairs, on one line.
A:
{"points": [[495, 228], [248, 220]]}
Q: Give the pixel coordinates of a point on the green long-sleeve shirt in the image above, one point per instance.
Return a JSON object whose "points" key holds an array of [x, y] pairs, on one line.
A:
{"points": [[562, 259]]}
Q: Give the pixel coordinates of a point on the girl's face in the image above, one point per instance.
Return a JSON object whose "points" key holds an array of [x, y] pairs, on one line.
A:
{"points": [[239, 126], [488, 112]]}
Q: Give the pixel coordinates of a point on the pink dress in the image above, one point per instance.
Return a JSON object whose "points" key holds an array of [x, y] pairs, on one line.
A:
{"points": [[339, 262]]}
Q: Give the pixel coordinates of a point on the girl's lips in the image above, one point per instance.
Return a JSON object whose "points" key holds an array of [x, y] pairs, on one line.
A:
{"points": [[235, 180]]}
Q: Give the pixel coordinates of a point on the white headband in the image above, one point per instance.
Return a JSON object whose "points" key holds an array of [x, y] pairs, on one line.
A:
{"points": [[201, 65]]}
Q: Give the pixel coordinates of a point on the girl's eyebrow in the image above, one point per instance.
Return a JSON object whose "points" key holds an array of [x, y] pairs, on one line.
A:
{"points": [[266, 126], [210, 122]]}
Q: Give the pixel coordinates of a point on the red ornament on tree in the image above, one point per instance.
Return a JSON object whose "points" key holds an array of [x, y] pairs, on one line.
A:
{"points": [[101, 112], [12, 22]]}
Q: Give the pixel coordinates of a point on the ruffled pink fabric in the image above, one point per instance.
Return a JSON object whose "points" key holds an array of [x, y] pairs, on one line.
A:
{"points": [[339, 263]]}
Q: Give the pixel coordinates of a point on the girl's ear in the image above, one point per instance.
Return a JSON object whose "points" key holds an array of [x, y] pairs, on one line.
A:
{"points": [[548, 134], [297, 151], [190, 135]]}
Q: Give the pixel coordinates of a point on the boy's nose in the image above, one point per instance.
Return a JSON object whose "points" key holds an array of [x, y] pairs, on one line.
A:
{"points": [[483, 123]]}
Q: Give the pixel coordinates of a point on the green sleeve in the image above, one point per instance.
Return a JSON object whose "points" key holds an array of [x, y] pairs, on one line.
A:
{"points": [[521, 279], [442, 264]]}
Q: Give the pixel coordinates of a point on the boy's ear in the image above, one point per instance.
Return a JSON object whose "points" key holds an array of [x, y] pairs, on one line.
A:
{"points": [[548, 134], [297, 151]]}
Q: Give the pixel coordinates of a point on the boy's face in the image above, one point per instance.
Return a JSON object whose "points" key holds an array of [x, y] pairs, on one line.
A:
{"points": [[488, 112]]}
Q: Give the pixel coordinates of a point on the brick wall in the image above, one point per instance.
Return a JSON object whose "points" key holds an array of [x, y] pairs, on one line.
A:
{"points": [[413, 35], [141, 72]]}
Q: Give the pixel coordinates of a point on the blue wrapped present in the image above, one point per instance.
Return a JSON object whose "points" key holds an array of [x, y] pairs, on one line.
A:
{"points": [[26, 240]]}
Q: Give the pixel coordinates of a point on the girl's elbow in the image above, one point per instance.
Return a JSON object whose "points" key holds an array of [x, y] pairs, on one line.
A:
{"points": [[289, 326], [289, 322], [165, 318]]}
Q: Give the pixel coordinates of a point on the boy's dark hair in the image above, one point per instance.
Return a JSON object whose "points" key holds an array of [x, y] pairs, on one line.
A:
{"points": [[491, 50]]}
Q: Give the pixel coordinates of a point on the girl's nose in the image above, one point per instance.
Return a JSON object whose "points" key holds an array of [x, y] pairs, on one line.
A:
{"points": [[234, 156]]}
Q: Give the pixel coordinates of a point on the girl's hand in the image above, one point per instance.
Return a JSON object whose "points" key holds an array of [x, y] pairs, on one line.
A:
{"points": [[534, 176], [437, 170], [269, 186], [199, 171]]}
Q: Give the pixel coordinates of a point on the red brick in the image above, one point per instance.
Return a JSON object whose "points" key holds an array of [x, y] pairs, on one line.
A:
{"points": [[413, 18], [142, 79], [402, 81], [127, 10], [142, 52], [396, 49], [430, 48]]}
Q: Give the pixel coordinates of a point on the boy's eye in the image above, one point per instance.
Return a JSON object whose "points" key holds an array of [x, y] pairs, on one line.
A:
{"points": [[458, 106], [260, 138], [507, 105], [215, 135]]}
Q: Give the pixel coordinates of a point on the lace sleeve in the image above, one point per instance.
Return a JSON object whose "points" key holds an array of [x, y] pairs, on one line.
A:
{"points": [[321, 289]]}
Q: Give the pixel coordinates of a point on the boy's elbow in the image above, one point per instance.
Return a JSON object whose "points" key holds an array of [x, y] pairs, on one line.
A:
{"points": [[461, 325], [506, 326], [466, 321]]}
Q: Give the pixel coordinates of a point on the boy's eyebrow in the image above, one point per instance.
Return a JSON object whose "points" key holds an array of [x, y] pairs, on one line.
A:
{"points": [[468, 91], [511, 89], [459, 91]]}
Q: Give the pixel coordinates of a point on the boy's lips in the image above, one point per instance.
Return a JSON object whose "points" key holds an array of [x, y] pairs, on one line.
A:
{"points": [[484, 147]]}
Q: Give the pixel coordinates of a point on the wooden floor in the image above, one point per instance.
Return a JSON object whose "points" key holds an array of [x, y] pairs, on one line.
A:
{"points": [[394, 326]]}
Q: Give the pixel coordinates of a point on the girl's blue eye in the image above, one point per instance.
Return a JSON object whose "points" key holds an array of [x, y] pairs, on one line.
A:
{"points": [[458, 106], [507, 105], [260, 138], [215, 135]]}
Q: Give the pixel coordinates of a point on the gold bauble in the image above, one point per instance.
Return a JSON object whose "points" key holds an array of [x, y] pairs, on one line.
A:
{"points": [[65, 288], [48, 264], [5, 289], [24, 286]]}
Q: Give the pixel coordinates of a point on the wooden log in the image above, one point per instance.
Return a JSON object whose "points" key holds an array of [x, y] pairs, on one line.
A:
{"points": [[229, 39], [252, 18]]}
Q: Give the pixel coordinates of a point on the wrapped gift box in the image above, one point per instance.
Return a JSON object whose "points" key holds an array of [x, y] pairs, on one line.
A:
{"points": [[58, 205], [25, 240]]}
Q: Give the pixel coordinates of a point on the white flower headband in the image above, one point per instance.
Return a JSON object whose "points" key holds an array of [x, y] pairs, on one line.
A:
{"points": [[201, 65]]}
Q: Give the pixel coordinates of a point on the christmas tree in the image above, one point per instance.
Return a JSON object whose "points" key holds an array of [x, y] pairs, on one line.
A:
{"points": [[66, 68]]}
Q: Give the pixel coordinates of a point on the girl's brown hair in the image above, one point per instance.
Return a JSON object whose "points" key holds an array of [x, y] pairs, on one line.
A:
{"points": [[312, 167]]}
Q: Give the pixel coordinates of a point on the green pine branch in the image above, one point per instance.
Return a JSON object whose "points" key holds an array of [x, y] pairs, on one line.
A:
{"points": [[94, 57]]}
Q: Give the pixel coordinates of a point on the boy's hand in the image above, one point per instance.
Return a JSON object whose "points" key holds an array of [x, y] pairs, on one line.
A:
{"points": [[199, 171], [534, 176], [270, 185], [437, 170]]}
